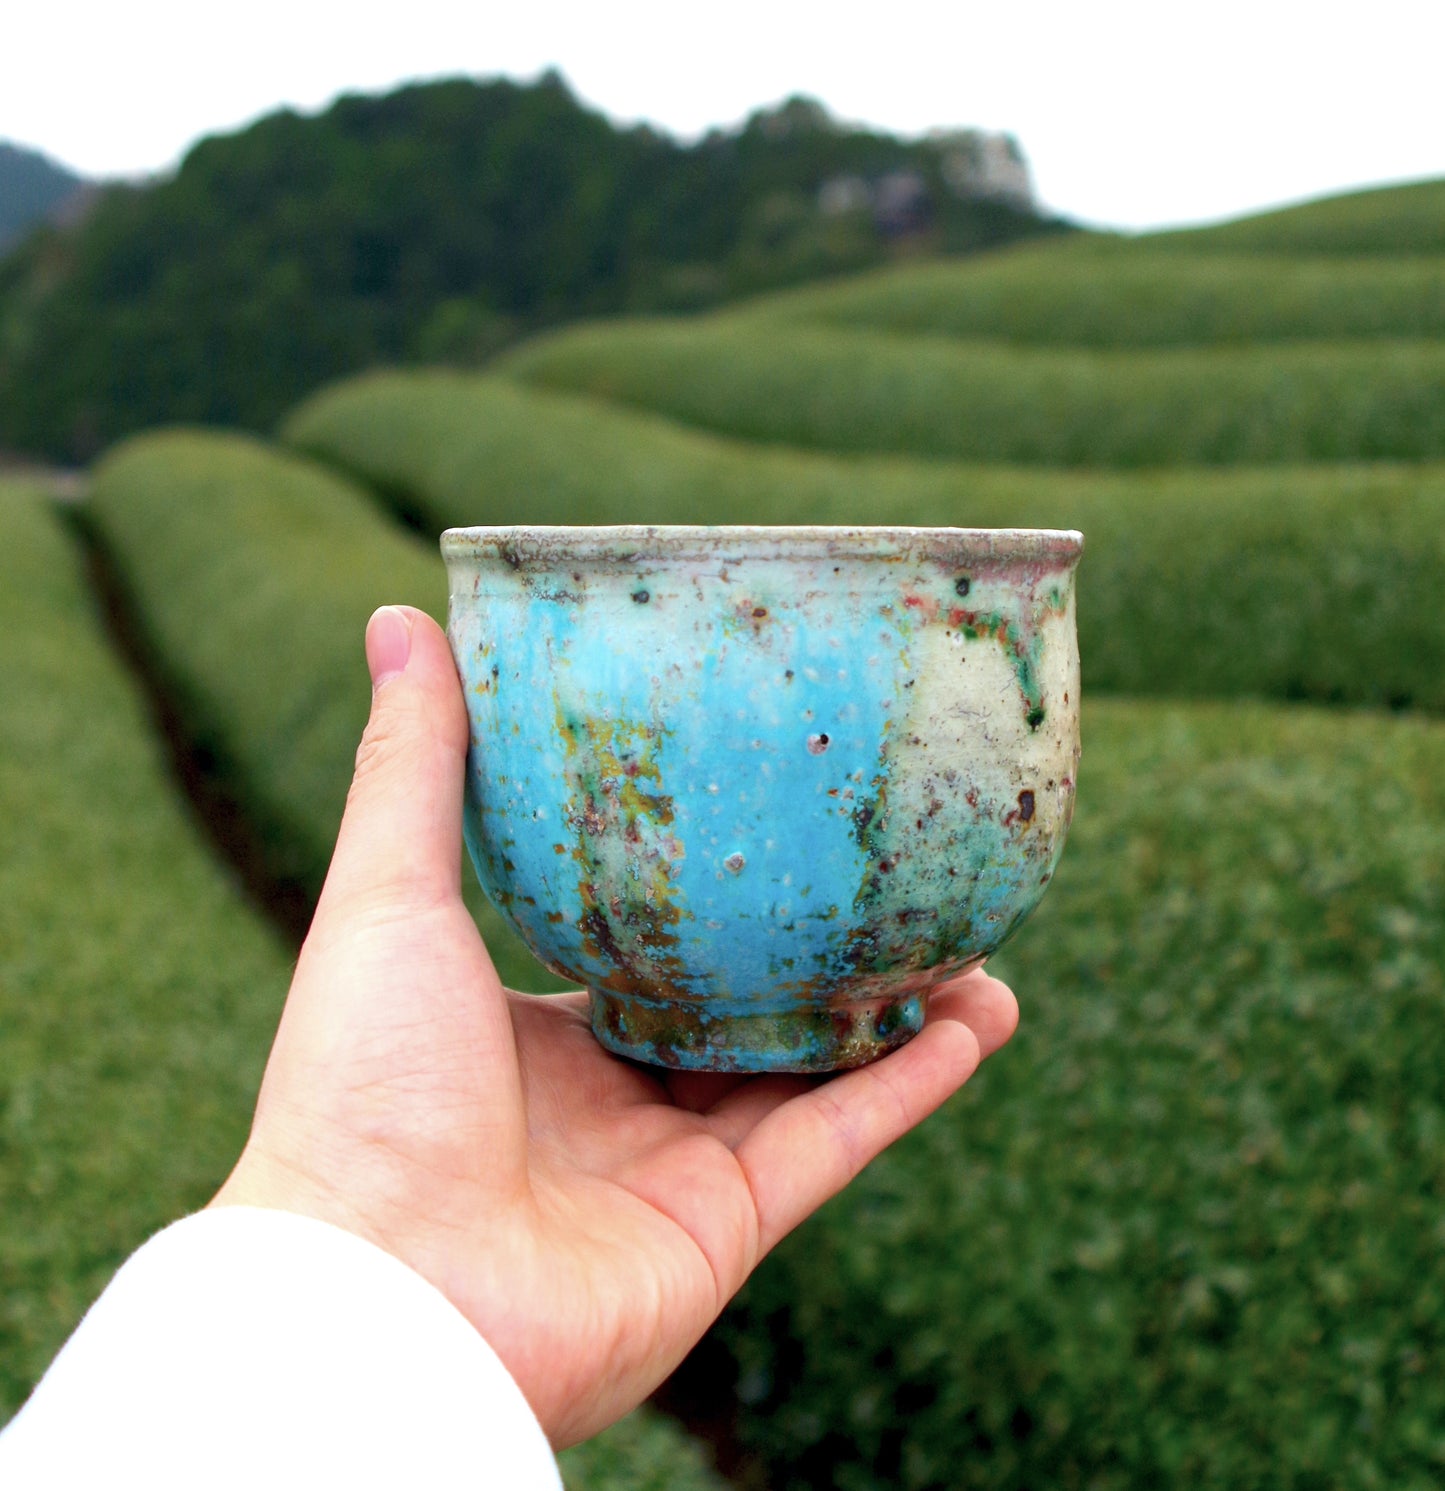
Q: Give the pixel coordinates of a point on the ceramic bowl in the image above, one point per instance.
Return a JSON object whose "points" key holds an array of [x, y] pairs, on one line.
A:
{"points": [[758, 789]]}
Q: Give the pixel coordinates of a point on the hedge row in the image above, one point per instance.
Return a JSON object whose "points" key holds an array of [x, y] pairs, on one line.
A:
{"points": [[859, 391], [1281, 582], [138, 995], [646, 1451], [1396, 220], [1086, 292], [138, 992], [1186, 1230], [251, 574]]}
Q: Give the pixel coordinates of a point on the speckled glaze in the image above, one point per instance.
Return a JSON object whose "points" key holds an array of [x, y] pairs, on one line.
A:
{"points": [[758, 789]]}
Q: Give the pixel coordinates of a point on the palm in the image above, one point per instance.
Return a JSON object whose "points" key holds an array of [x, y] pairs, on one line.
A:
{"points": [[643, 1223], [629, 1196], [651, 1195], [589, 1216]]}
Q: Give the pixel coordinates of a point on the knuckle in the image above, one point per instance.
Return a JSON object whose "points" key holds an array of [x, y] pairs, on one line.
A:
{"points": [[384, 744], [375, 750]]}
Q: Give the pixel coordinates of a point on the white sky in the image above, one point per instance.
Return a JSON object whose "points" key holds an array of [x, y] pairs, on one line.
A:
{"points": [[1131, 114]]}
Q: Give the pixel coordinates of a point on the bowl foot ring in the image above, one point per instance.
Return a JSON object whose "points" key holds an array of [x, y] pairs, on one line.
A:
{"points": [[807, 1038]]}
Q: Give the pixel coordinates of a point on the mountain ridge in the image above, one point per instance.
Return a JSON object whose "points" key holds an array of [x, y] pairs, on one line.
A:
{"points": [[33, 189]]}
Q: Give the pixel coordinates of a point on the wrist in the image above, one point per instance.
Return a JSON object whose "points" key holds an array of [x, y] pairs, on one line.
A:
{"points": [[265, 1183]]}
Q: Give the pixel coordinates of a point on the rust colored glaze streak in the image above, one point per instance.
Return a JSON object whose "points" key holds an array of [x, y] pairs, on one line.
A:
{"points": [[627, 853]]}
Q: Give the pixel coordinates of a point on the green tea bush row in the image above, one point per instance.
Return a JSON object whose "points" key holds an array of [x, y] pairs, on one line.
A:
{"points": [[138, 991], [859, 391], [252, 574], [1189, 1228], [1285, 582], [646, 1451], [145, 970], [1085, 292], [1398, 220]]}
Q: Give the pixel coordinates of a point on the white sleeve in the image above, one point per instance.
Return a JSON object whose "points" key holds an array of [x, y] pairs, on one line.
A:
{"points": [[250, 1348]]}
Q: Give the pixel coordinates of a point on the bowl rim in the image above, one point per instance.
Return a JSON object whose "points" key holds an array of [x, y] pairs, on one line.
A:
{"points": [[630, 543]]}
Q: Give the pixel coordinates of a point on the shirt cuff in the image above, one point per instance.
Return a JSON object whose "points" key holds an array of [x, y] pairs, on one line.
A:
{"points": [[250, 1347]]}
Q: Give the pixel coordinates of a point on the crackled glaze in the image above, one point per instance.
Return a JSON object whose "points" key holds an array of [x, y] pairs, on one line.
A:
{"points": [[758, 789]]}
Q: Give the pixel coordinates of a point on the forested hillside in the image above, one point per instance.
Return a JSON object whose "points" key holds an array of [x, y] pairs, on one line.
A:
{"points": [[439, 223]]}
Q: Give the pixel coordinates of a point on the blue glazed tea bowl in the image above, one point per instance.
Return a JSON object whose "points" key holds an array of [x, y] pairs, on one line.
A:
{"points": [[759, 789]]}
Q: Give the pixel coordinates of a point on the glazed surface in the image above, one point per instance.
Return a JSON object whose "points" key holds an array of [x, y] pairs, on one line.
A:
{"points": [[757, 794]]}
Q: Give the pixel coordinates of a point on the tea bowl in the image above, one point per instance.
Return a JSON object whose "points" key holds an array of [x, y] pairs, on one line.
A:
{"points": [[759, 789]]}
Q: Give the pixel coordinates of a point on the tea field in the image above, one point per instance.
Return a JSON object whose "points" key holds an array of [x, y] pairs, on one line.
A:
{"points": [[1108, 295], [1188, 1228], [268, 683], [1187, 1231], [139, 990], [1391, 222], [831, 388], [1308, 335], [1298, 582]]}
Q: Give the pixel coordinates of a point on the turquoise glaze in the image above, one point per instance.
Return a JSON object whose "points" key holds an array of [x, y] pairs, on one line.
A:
{"points": [[759, 789]]}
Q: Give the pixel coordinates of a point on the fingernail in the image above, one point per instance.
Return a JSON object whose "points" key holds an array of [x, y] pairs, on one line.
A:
{"points": [[388, 644]]}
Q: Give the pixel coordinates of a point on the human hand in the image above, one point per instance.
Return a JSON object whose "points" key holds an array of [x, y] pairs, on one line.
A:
{"points": [[589, 1217]]}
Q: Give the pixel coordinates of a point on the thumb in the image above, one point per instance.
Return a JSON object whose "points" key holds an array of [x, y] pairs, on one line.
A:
{"points": [[399, 848]]}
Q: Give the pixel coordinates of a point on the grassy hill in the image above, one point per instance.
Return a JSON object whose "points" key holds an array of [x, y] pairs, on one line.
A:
{"points": [[1103, 294], [1406, 220]]}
